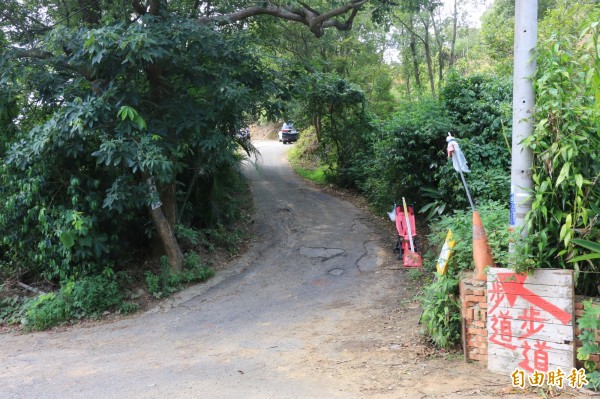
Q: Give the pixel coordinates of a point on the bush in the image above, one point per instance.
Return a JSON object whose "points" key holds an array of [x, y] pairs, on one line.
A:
{"points": [[167, 282], [589, 325], [128, 308], [47, 311], [60, 234], [408, 156], [407, 150], [87, 297], [93, 295], [305, 157], [338, 111], [441, 311], [12, 309], [494, 216]]}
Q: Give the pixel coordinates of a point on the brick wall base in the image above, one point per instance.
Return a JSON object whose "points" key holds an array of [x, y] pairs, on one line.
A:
{"points": [[473, 299]]}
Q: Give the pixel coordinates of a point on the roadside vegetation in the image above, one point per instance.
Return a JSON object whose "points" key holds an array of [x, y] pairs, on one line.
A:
{"points": [[304, 158]]}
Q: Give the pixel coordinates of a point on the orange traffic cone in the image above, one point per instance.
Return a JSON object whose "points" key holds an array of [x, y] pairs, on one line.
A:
{"points": [[482, 254]]}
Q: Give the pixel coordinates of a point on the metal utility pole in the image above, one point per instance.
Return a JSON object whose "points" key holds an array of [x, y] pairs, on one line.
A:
{"points": [[523, 103]]}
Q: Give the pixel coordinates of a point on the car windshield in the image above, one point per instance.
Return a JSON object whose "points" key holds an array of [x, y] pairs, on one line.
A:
{"points": [[288, 126]]}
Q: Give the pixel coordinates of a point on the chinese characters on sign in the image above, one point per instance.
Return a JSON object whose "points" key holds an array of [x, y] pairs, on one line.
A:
{"points": [[530, 324]]}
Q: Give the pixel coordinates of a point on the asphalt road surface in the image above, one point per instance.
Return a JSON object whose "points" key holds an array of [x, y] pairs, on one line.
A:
{"points": [[311, 311]]}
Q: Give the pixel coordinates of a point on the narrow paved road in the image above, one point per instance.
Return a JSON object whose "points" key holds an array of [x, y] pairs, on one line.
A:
{"points": [[250, 336], [312, 311]]}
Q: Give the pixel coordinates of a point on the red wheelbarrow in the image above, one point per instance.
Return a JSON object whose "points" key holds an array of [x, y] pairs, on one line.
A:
{"points": [[407, 245]]}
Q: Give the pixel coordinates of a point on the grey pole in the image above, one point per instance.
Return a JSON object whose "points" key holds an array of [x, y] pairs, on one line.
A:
{"points": [[462, 176], [521, 181]]}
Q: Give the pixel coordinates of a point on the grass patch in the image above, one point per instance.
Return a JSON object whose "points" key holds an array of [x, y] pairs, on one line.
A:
{"points": [[316, 175], [304, 158]]}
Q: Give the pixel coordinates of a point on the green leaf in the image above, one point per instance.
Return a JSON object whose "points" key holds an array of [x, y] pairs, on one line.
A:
{"points": [[584, 352], [67, 238], [592, 246], [564, 171], [584, 257], [579, 180], [89, 41], [141, 123], [589, 319], [563, 232]]}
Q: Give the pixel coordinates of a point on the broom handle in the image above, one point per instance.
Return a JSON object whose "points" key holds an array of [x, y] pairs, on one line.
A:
{"points": [[412, 247]]}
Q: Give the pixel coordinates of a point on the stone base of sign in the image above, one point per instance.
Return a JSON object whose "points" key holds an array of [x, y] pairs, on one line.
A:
{"points": [[473, 299]]}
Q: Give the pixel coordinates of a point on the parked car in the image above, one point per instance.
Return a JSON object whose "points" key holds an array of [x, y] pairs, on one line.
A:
{"points": [[288, 133], [243, 133]]}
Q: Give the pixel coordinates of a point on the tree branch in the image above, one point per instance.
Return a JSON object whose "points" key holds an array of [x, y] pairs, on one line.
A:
{"points": [[46, 55], [309, 8], [347, 25], [138, 7], [352, 5], [306, 15], [412, 31]]}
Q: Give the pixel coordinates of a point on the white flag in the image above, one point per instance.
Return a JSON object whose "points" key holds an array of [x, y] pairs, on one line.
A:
{"points": [[392, 214], [458, 159]]}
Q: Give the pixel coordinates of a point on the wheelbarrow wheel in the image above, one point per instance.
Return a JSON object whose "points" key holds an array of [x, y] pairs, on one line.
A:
{"points": [[400, 251]]}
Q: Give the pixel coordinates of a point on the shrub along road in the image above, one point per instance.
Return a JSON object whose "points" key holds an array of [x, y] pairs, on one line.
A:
{"points": [[317, 308]]}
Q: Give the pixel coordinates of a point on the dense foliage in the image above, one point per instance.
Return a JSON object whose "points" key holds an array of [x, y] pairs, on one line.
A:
{"points": [[566, 144], [76, 178], [441, 307], [408, 152]]}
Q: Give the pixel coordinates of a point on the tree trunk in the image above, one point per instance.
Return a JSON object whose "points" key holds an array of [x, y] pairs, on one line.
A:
{"points": [[167, 197], [430, 67], [167, 238], [438, 39], [454, 24], [317, 124], [427, 46], [164, 215], [415, 60], [154, 7], [90, 11], [164, 229]]}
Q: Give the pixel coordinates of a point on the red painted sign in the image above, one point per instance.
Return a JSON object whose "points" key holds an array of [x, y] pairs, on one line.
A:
{"points": [[513, 286], [530, 321]]}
